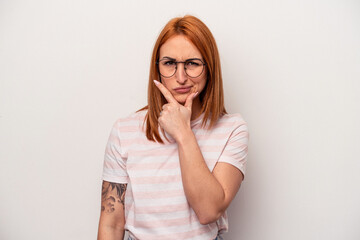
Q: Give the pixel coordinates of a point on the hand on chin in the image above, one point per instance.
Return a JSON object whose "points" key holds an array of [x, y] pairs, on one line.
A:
{"points": [[181, 99]]}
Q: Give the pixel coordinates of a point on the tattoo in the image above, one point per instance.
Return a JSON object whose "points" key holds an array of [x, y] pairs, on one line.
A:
{"points": [[110, 197]]}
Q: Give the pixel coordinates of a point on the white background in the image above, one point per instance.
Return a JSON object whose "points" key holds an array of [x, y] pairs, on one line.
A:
{"points": [[70, 68]]}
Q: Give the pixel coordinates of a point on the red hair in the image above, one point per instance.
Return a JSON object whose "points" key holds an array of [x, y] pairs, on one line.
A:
{"points": [[211, 98]]}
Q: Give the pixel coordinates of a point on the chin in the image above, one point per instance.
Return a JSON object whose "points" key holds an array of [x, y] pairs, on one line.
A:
{"points": [[181, 99]]}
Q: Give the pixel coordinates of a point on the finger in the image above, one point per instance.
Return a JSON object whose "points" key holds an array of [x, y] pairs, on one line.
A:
{"points": [[189, 100], [165, 106], [168, 96]]}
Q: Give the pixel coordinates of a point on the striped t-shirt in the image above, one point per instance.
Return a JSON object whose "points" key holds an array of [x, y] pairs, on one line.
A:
{"points": [[155, 203]]}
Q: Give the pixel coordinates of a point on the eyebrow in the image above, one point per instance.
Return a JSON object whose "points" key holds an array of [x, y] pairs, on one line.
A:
{"points": [[174, 59], [170, 58]]}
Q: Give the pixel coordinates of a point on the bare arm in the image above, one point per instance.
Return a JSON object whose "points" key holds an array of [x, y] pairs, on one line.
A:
{"points": [[112, 217], [208, 193]]}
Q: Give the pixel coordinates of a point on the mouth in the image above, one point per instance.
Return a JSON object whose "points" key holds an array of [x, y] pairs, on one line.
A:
{"points": [[183, 90]]}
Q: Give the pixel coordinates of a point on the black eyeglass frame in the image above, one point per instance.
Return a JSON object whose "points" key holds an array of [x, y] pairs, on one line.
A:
{"points": [[176, 62]]}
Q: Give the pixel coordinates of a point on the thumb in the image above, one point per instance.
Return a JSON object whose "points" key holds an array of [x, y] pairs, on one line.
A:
{"points": [[189, 100]]}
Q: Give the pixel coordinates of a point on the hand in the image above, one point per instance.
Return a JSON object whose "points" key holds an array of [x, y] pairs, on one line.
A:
{"points": [[175, 118]]}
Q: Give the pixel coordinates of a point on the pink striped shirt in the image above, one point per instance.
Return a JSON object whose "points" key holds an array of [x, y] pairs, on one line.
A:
{"points": [[155, 203]]}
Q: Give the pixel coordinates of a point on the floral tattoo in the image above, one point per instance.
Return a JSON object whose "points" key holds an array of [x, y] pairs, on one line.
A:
{"points": [[110, 196]]}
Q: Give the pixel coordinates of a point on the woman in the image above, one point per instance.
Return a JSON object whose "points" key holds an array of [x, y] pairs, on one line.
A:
{"points": [[172, 168]]}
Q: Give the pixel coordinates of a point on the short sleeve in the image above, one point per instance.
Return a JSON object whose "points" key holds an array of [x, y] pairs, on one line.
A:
{"points": [[236, 148], [114, 168]]}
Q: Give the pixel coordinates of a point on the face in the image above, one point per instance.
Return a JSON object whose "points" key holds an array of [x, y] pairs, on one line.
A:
{"points": [[179, 48]]}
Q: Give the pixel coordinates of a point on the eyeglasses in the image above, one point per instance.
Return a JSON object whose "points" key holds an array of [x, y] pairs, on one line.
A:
{"points": [[193, 67]]}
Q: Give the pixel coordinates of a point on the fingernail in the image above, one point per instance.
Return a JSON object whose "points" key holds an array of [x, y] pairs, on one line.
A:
{"points": [[195, 95], [156, 82]]}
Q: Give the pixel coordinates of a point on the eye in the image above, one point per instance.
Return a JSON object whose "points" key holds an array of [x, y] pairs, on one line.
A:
{"points": [[169, 63], [193, 63]]}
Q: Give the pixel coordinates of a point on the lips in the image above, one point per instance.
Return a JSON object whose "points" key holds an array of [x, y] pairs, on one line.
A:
{"points": [[182, 89]]}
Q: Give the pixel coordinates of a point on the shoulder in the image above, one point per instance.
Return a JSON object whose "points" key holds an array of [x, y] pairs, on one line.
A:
{"points": [[132, 122], [233, 120], [133, 117], [233, 125]]}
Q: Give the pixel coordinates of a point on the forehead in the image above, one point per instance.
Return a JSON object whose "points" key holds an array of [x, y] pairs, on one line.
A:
{"points": [[180, 48]]}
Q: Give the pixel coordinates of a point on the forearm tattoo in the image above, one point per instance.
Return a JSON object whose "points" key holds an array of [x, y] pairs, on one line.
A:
{"points": [[110, 197]]}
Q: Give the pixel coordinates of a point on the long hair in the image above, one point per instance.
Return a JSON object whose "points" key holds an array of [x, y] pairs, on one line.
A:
{"points": [[211, 98]]}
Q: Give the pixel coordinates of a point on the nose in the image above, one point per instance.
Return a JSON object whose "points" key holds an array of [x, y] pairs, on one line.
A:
{"points": [[181, 76]]}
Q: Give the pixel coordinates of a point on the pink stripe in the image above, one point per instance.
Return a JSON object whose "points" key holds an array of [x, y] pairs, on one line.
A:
{"points": [[129, 128], [211, 148], [159, 209], [196, 127], [151, 166], [114, 139], [244, 134], [130, 121], [137, 117], [213, 136], [158, 194], [112, 165], [181, 235], [155, 152], [131, 141], [223, 123], [237, 145], [232, 155], [156, 179], [112, 152], [151, 224]]}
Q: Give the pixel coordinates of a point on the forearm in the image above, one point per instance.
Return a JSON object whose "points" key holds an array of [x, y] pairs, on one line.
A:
{"points": [[112, 219], [204, 193], [110, 233]]}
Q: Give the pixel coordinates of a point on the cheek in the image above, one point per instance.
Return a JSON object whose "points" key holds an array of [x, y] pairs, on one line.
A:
{"points": [[201, 82], [165, 82]]}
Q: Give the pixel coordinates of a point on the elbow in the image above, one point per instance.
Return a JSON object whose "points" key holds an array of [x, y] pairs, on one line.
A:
{"points": [[210, 212], [209, 217], [205, 221]]}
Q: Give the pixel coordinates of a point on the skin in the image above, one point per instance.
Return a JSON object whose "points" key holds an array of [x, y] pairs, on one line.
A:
{"points": [[208, 193], [112, 217]]}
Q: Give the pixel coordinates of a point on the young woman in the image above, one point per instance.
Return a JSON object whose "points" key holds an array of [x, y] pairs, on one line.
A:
{"points": [[172, 168]]}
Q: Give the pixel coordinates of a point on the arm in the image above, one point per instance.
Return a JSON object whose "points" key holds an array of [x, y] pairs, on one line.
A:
{"points": [[209, 194], [112, 217]]}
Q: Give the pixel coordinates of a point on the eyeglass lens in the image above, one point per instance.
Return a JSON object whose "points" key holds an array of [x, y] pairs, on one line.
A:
{"points": [[193, 67]]}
